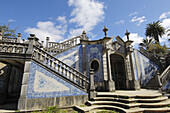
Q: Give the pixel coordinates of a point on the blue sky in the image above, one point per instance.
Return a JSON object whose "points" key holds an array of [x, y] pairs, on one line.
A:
{"points": [[63, 19]]}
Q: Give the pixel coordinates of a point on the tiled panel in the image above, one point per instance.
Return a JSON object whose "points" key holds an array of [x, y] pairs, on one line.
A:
{"points": [[167, 86], [72, 57], [43, 84], [147, 68], [95, 51]]}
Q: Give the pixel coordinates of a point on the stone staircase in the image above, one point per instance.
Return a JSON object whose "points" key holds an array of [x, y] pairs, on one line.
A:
{"points": [[128, 102], [150, 56]]}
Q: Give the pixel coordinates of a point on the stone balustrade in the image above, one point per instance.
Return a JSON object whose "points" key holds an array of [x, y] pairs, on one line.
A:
{"points": [[165, 76], [61, 68], [54, 47], [9, 39], [151, 56], [11, 47], [33, 48]]}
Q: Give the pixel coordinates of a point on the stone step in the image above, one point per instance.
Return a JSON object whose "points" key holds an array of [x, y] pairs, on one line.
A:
{"points": [[92, 109], [130, 94], [130, 105], [149, 110], [152, 100], [140, 101], [155, 105], [113, 103]]}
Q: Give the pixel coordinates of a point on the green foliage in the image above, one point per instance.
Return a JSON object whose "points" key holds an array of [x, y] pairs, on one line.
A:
{"points": [[155, 30], [169, 105], [17, 111], [7, 31], [158, 49], [83, 105], [107, 111], [54, 109], [146, 43]]}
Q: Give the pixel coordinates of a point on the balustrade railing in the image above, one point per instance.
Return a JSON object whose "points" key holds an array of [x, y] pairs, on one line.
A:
{"points": [[9, 39], [10, 47], [63, 69], [55, 48], [165, 76], [151, 56]]}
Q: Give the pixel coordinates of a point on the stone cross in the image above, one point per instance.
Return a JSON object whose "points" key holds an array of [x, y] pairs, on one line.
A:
{"points": [[127, 34], [105, 31]]}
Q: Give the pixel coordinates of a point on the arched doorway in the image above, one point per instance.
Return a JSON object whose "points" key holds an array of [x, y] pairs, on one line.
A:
{"points": [[118, 71]]}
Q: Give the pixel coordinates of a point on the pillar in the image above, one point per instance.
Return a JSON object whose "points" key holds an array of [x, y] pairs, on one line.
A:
{"points": [[110, 82], [92, 86], [23, 95], [19, 37]]}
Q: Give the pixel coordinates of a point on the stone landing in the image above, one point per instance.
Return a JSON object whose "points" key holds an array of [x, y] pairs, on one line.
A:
{"points": [[128, 102]]}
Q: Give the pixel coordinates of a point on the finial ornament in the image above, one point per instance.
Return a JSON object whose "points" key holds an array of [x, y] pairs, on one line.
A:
{"points": [[127, 34], [84, 32], [105, 31]]}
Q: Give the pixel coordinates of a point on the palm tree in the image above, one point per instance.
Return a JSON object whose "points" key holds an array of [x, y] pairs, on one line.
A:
{"points": [[146, 43], [155, 30]]}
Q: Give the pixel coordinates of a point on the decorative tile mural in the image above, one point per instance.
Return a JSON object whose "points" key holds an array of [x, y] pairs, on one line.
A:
{"points": [[167, 86], [95, 51], [72, 57], [147, 68], [43, 84]]}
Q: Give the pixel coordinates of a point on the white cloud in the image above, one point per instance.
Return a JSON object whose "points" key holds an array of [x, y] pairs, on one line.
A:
{"points": [[164, 15], [134, 13], [11, 20], [139, 20], [62, 19], [166, 24], [86, 15], [120, 22], [134, 37], [48, 29]]}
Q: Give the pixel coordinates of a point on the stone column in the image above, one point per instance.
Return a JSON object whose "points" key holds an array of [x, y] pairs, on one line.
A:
{"points": [[47, 41], [31, 43], [134, 83], [19, 37], [92, 86], [84, 58], [22, 102], [84, 37], [110, 82]]}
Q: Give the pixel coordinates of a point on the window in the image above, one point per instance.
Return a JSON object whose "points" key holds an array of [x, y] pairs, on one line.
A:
{"points": [[95, 65]]}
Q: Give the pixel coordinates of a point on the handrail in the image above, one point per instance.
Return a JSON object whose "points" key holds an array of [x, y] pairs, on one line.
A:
{"points": [[60, 67], [151, 56], [54, 47], [165, 76], [9, 39], [13, 47], [42, 57]]}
